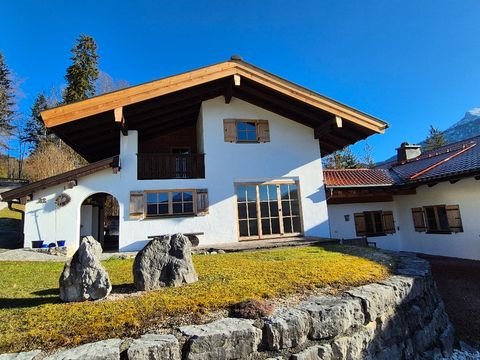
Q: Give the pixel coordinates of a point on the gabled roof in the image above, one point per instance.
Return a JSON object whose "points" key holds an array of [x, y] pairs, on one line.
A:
{"points": [[357, 177], [91, 127], [29, 189], [449, 162]]}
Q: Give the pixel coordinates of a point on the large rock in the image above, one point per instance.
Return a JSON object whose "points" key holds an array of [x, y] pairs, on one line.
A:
{"points": [[164, 262], [30, 355], [84, 277], [154, 347], [100, 350], [222, 339], [287, 328], [332, 316]]}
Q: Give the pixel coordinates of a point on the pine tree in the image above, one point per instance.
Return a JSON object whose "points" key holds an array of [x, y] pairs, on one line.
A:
{"points": [[83, 73], [341, 159], [6, 98], [435, 139], [35, 130]]}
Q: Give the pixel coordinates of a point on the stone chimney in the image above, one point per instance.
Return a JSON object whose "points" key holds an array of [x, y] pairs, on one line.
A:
{"points": [[408, 151]]}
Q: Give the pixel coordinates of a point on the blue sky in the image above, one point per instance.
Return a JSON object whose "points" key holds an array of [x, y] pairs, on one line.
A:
{"points": [[411, 63]]}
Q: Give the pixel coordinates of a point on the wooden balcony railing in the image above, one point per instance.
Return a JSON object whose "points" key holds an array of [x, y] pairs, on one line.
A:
{"points": [[170, 166]]}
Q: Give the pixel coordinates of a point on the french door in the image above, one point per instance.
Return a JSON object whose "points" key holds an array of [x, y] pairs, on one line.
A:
{"points": [[268, 210]]}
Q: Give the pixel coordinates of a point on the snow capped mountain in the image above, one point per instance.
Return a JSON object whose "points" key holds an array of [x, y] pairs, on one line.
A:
{"points": [[466, 128]]}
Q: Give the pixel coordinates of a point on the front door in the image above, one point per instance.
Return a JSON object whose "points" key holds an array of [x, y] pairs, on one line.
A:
{"points": [[268, 210]]}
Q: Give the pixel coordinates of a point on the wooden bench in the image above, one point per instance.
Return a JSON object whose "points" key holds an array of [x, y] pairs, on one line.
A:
{"points": [[193, 237], [360, 241]]}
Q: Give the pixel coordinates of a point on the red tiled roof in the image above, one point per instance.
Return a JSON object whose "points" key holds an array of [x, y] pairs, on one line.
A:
{"points": [[453, 160], [357, 177]]}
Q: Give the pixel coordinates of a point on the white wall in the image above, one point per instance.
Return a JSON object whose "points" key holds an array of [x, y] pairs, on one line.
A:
{"points": [[292, 153], [465, 193], [341, 229]]}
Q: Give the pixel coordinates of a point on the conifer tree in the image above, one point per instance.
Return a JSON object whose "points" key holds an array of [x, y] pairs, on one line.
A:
{"points": [[6, 98], [83, 72], [342, 159], [35, 130], [435, 139]]}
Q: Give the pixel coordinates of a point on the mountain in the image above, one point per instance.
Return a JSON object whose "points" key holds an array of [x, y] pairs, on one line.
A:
{"points": [[467, 127]]}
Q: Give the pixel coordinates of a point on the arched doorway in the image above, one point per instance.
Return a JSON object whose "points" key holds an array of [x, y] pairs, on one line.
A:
{"points": [[99, 218]]}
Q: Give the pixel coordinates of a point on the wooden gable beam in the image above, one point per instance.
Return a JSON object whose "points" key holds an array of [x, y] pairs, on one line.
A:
{"points": [[231, 83], [120, 121]]}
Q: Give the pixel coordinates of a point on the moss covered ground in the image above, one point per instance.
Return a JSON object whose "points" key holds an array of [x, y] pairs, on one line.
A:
{"points": [[32, 315]]}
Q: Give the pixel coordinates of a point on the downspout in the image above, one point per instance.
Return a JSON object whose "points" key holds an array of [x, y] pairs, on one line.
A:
{"points": [[22, 212]]}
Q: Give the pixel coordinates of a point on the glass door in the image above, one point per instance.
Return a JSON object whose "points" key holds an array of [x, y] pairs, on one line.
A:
{"points": [[268, 210]]}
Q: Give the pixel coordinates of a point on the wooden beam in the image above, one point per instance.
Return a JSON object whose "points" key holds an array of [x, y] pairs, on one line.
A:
{"points": [[120, 122], [228, 90], [135, 94], [338, 121], [236, 79]]}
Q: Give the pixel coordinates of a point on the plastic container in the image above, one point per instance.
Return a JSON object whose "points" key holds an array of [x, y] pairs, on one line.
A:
{"points": [[37, 244], [61, 243]]}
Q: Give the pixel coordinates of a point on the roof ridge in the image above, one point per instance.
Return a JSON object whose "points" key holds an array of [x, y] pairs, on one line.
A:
{"points": [[431, 167]]}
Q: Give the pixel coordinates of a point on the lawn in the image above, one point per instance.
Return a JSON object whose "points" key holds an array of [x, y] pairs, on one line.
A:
{"points": [[33, 317]]}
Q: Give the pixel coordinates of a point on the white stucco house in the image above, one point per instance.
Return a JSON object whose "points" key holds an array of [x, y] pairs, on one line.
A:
{"points": [[228, 152], [422, 202]]}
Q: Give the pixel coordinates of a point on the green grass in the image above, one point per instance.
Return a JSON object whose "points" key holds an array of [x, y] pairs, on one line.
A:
{"points": [[6, 213], [33, 317]]}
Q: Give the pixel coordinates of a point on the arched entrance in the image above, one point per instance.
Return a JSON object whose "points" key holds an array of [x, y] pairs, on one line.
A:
{"points": [[99, 218]]}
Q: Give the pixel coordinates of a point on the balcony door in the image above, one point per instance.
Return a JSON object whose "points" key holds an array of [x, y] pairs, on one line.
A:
{"points": [[181, 170], [268, 210]]}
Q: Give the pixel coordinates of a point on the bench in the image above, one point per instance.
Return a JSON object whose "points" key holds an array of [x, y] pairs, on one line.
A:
{"points": [[360, 241]]}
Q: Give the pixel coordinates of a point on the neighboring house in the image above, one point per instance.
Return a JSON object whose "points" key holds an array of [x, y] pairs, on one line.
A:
{"points": [[228, 152], [425, 203]]}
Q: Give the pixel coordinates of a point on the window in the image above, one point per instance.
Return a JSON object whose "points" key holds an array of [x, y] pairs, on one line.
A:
{"points": [[374, 223], [439, 219], [268, 209], [168, 203], [246, 131]]}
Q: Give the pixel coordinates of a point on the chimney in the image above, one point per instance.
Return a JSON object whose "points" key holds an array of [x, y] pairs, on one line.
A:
{"points": [[408, 151]]}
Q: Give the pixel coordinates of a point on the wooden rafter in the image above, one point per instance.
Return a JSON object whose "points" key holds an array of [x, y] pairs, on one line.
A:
{"points": [[132, 95]]}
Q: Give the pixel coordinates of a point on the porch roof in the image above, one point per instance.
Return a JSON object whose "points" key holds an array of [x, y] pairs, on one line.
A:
{"points": [[29, 189], [91, 127]]}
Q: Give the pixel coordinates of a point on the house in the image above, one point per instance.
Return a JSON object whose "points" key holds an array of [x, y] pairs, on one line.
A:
{"points": [[421, 202], [228, 152]]}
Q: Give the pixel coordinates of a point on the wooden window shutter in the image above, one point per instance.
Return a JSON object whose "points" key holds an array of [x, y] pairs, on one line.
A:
{"points": [[136, 206], [263, 131], [202, 201], [388, 222], [454, 218], [419, 220], [230, 130], [360, 226]]}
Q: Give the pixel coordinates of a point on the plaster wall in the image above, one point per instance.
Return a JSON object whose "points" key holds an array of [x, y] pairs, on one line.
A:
{"points": [[342, 229], [466, 244], [292, 153]]}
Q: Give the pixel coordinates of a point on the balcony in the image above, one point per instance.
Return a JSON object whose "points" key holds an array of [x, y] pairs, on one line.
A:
{"points": [[170, 166]]}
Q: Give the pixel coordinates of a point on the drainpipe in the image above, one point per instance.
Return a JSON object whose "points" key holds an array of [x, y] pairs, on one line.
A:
{"points": [[22, 212]]}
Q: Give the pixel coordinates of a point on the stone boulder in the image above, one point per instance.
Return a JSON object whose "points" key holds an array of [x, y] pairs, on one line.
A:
{"points": [[84, 277], [164, 262]]}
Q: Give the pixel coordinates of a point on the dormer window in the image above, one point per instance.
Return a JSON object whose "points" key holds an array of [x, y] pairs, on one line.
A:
{"points": [[246, 131]]}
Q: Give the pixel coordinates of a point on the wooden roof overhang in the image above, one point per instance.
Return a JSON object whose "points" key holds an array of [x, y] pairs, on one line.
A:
{"points": [[72, 175], [91, 127], [365, 194]]}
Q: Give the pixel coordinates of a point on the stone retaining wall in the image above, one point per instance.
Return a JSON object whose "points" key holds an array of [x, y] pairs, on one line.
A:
{"points": [[402, 317]]}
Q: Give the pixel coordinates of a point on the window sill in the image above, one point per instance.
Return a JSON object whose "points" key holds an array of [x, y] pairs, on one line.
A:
{"points": [[440, 232], [169, 216]]}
